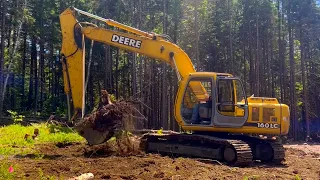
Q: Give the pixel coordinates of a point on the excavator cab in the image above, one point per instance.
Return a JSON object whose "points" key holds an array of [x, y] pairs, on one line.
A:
{"points": [[223, 102]]}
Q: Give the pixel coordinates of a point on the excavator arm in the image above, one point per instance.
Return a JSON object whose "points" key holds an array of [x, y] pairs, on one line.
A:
{"points": [[149, 44]]}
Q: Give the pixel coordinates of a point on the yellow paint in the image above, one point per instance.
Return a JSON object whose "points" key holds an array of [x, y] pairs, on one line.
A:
{"points": [[245, 129], [285, 121], [74, 62], [155, 47]]}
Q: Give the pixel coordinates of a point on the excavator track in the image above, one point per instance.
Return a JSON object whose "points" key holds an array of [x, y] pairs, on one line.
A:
{"points": [[265, 150], [278, 151], [231, 151], [244, 154]]}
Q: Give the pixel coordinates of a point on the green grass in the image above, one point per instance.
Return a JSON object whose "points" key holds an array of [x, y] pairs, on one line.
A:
{"points": [[12, 137], [4, 170]]}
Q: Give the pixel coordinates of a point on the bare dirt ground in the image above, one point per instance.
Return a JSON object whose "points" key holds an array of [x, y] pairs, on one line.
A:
{"points": [[308, 148], [65, 162]]}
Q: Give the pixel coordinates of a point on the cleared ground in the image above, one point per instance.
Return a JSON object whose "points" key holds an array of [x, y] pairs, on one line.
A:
{"points": [[69, 161], [59, 153]]}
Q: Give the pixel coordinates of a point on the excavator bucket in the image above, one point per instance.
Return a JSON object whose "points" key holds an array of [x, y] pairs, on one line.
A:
{"points": [[92, 136]]}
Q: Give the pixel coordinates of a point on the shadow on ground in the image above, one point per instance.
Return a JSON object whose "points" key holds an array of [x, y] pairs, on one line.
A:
{"points": [[39, 156]]}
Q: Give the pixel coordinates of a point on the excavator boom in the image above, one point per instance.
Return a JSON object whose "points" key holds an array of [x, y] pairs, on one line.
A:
{"points": [[151, 45]]}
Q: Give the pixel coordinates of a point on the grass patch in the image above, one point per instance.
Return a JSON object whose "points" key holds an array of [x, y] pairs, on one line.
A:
{"points": [[4, 170], [12, 137]]}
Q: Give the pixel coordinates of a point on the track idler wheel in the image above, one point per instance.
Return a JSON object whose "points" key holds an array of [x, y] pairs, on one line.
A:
{"points": [[266, 153], [230, 155]]}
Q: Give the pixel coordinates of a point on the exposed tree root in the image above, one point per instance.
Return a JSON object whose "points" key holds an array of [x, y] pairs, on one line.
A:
{"points": [[111, 119]]}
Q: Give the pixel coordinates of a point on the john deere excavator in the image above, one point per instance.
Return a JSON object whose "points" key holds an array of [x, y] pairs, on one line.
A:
{"points": [[213, 106]]}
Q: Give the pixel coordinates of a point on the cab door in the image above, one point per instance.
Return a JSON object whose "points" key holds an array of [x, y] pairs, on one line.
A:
{"points": [[231, 103], [196, 105]]}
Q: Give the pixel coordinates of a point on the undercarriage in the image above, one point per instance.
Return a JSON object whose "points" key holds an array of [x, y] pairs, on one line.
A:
{"points": [[235, 150]]}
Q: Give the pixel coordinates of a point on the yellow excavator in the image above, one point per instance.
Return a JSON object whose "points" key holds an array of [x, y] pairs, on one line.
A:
{"points": [[225, 124]]}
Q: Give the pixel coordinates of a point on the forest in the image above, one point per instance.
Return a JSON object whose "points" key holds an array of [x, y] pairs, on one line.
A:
{"points": [[273, 46]]}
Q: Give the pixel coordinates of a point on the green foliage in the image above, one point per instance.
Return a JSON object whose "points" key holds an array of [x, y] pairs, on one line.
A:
{"points": [[112, 139], [113, 98], [160, 131], [61, 111], [12, 137], [59, 129], [4, 170], [15, 116], [297, 177]]}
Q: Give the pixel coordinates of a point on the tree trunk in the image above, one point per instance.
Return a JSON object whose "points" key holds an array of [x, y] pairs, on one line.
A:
{"points": [[304, 84], [257, 62], [117, 73], [108, 69], [3, 2], [250, 50], [52, 69], [31, 79], [153, 101], [280, 54], [141, 70], [22, 104], [292, 78], [134, 56], [36, 81], [230, 36], [197, 34], [152, 78], [91, 93], [42, 75], [284, 67], [173, 83], [88, 78], [12, 93], [164, 113], [10, 27], [270, 60]]}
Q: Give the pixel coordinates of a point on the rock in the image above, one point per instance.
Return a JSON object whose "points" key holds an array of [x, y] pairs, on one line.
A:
{"points": [[176, 177], [86, 176]]}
